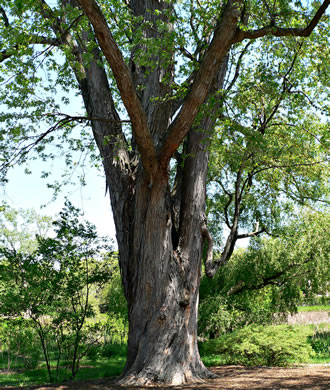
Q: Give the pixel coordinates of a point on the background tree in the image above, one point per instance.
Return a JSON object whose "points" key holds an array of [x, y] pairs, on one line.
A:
{"points": [[151, 76], [268, 279], [52, 286], [19, 228]]}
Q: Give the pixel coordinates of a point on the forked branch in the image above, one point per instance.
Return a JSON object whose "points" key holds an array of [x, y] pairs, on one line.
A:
{"points": [[212, 266], [125, 85], [221, 42], [283, 32]]}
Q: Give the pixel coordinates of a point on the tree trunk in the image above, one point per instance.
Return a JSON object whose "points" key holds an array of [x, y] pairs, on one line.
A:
{"points": [[158, 229], [160, 246], [162, 293]]}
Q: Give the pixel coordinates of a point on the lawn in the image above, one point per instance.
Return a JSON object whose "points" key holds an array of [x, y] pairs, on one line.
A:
{"points": [[90, 369]]}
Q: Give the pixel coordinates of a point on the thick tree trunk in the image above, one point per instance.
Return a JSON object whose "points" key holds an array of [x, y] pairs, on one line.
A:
{"points": [[162, 294], [159, 235]]}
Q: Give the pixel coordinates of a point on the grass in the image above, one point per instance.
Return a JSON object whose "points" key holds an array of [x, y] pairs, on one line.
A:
{"points": [[213, 360], [314, 308], [90, 369]]}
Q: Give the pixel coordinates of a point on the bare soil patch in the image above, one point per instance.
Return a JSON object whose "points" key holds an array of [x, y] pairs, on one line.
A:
{"points": [[316, 377]]}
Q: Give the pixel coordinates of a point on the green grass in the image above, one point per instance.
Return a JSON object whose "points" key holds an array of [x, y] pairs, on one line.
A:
{"points": [[319, 360], [103, 368], [15, 363], [91, 369], [213, 360], [22, 378], [314, 308]]}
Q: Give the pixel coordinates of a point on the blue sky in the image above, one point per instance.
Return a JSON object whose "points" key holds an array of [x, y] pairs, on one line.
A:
{"points": [[30, 191]]}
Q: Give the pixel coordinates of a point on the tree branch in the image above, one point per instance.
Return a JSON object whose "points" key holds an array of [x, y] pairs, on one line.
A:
{"points": [[87, 118], [5, 17], [125, 85], [27, 148], [287, 166], [221, 42], [251, 234], [282, 32], [211, 267], [31, 40], [238, 66], [270, 280]]}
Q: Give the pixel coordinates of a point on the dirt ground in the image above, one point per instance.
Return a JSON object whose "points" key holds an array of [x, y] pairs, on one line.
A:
{"points": [[316, 377]]}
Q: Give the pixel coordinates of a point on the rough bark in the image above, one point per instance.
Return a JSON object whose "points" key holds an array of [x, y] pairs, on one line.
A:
{"points": [[162, 296]]}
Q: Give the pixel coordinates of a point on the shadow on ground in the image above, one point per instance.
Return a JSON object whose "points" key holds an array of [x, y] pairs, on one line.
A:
{"points": [[315, 377]]}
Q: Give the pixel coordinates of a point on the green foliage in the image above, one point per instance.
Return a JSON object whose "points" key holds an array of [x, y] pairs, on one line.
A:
{"points": [[20, 341], [269, 278], [274, 345], [52, 284], [109, 350], [268, 153], [114, 305], [19, 228], [314, 308], [320, 341]]}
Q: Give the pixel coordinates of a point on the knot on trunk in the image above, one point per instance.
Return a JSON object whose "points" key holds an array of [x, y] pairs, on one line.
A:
{"points": [[185, 298], [162, 313]]}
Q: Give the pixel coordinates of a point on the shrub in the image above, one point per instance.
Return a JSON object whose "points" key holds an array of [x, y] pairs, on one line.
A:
{"points": [[32, 360], [320, 342], [93, 352], [274, 345]]}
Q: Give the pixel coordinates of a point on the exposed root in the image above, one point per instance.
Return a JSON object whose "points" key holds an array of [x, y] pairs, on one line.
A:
{"points": [[177, 379]]}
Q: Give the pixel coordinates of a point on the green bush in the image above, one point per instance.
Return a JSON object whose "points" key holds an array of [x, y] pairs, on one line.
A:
{"points": [[93, 352], [32, 360], [274, 345], [320, 342]]}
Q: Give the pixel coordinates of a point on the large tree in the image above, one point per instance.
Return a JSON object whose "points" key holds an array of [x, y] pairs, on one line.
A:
{"points": [[155, 77]]}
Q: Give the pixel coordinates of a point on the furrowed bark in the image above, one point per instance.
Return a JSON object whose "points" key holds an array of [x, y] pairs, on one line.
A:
{"points": [[163, 302]]}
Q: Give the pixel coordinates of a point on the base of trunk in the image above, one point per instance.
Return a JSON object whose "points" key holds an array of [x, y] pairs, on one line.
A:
{"points": [[173, 376]]}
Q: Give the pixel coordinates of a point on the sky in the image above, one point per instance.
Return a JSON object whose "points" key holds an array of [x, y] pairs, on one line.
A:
{"points": [[31, 192]]}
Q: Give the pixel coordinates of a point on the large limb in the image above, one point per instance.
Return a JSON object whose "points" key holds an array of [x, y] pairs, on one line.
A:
{"points": [[31, 39], [153, 82], [220, 44], [125, 85], [108, 134], [195, 174]]}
